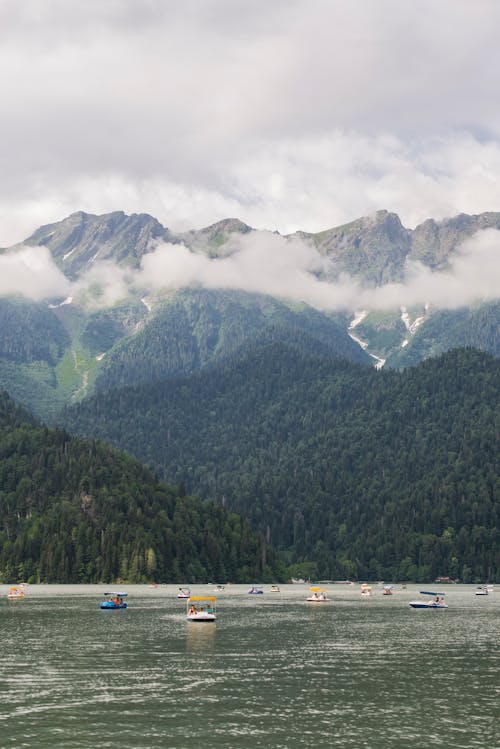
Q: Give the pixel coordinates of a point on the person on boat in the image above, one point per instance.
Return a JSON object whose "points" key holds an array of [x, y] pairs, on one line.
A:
{"points": [[192, 610]]}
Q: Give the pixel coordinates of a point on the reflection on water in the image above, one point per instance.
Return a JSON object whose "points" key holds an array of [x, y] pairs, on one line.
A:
{"points": [[272, 672], [200, 637]]}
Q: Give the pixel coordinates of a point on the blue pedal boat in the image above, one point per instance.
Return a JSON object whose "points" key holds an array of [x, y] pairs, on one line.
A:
{"points": [[115, 601]]}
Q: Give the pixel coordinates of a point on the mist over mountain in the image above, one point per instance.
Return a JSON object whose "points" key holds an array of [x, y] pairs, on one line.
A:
{"points": [[139, 302]]}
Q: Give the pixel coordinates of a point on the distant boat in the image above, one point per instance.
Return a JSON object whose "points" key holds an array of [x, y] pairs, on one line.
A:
{"points": [[274, 589], [388, 590], [436, 603], [184, 593], [318, 595], [220, 588], [256, 590], [482, 591], [201, 609], [366, 590], [115, 600], [15, 593]]}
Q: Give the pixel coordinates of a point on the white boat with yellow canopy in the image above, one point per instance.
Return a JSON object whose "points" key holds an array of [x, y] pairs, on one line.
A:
{"points": [[201, 609], [318, 595], [15, 593]]}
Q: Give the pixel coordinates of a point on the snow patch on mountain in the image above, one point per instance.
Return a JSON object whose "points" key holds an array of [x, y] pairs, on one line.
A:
{"points": [[412, 327], [357, 319], [68, 300]]}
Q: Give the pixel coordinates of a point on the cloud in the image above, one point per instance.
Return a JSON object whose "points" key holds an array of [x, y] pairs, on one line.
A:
{"points": [[266, 263], [287, 114], [292, 269], [31, 272]]}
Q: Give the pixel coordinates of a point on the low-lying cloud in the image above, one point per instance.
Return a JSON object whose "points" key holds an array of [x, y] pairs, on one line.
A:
{"points": [[265, 263]]}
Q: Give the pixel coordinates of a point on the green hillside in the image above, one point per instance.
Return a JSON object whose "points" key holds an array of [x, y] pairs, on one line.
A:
{"points": [[197, 328], [466, 326], [366, 474], [74, 510]]}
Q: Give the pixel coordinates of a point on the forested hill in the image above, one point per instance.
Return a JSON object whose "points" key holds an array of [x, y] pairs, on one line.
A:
{"points": [[74, 510], [364, 474]]}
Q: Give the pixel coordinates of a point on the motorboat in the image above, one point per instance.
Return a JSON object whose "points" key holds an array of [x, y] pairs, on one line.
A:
{"points": [[184, 593], [366, 590], [274, 589], [220, 588], [15, 593], [256, 590], [437, 602], [318, 595], [482, 591], [115, 600], [201, 609]]}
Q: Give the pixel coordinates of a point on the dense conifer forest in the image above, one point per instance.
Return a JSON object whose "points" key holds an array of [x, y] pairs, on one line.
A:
{"points": [[74, 510], [352, 473]]}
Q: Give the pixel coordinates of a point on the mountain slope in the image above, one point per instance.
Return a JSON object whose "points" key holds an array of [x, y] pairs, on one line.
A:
{"points": [[78, 511], [197, 328], [379, 475], [82, 238]]}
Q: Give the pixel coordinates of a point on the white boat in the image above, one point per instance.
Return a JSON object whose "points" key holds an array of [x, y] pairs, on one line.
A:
{"points": [[201, 609], [318, 595], [220, 588], [366, 590], [437, 602], [256, 590], [184, 593], [482, 591], [274, 589]]}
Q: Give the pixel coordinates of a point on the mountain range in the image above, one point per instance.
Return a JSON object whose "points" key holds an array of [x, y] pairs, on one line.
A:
{"points": [[345, 434], [145, 335]]}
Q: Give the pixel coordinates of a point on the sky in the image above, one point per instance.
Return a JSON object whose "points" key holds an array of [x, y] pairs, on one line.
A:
{"points": [[287, 114]]}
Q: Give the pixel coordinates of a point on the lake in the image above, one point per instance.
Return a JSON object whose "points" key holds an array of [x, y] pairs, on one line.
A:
{"points": [[273, 671]]}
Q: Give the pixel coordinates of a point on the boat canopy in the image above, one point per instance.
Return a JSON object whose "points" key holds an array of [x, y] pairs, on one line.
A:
{"points": [[203, 598], [118, 593], [430, 593], [315, 589]]}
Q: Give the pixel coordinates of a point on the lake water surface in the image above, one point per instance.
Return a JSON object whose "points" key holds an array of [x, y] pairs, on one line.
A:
{"points": [[273, 671]]}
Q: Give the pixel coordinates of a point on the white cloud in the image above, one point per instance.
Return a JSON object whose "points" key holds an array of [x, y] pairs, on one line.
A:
{"points": [[287, 114], [31, 272], [270, 264], [262, 262]]}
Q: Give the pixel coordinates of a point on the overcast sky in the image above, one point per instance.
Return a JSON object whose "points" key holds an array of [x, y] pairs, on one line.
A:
{"points": [[286, 114]]}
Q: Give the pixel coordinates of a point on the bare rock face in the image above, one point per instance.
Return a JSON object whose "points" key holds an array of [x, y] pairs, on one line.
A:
{"points": [[82, 238], [433, 242]]}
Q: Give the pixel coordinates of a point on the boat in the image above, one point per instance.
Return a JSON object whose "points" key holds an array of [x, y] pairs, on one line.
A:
{"points": [[256, 590], [220, 588], [274, 589], [388, 590], [366, 590], [482, 591], [115, 600], [15, 593], [201, 609], [318, 595], [437, 601], [184, 593]]}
